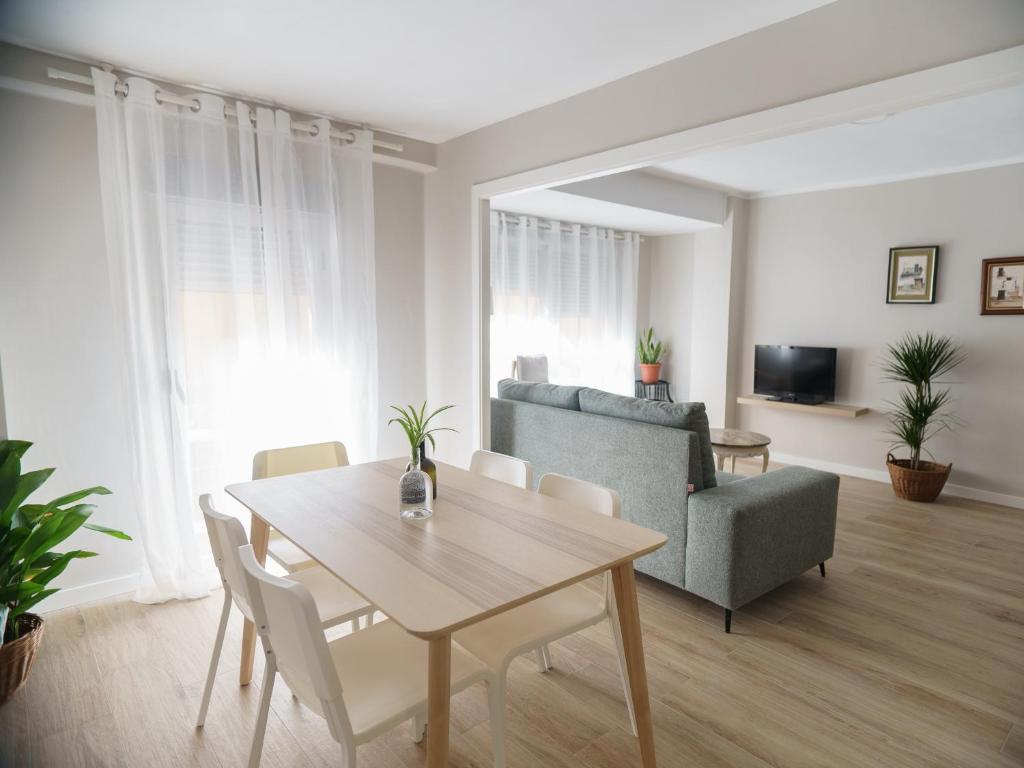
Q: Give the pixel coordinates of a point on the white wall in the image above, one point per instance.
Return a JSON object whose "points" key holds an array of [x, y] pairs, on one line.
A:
{"points": [[670, 307], [58, 343], [816, 275], [838, 46]]}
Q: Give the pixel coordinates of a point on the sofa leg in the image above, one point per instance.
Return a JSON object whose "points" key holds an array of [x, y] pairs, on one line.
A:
{"points": [[821, 567], [728, 620]]}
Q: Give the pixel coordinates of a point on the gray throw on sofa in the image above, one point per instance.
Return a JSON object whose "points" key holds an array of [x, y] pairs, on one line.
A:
{"points": [[730, 539]]}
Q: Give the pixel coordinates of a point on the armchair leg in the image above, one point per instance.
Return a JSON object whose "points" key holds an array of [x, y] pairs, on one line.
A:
{"points": [[728, 620], [821, 567]]}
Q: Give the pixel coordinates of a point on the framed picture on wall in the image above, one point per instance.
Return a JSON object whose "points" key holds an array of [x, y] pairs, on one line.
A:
{"points": [[1002, 286], [912, 275]]}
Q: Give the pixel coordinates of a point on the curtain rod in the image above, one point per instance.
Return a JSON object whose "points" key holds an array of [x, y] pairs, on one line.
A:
{"points": [[166, 97], [514, 220]]}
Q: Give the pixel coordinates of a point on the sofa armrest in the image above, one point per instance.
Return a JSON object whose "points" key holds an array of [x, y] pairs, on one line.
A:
{"points": [[747, 537]]}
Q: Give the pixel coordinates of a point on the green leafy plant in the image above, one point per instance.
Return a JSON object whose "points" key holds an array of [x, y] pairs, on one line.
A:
{"points": [[416, 425], [920, 412], [647, 350], [29, 533]]}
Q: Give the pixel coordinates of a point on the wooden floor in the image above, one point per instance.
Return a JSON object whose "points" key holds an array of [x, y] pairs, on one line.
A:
{"points": [[910, 653]]}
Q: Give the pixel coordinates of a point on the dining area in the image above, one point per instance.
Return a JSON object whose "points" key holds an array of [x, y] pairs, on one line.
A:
{"points": [[378, 620]]}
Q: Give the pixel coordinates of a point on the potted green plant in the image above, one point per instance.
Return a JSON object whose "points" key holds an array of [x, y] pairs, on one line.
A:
{"points": [[28, 535], [415, 501], [649, 352], [919, 361]]}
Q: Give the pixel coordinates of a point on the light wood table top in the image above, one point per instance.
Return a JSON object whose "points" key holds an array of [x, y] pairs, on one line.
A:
{"points": [[488, 547], [738, 438]]}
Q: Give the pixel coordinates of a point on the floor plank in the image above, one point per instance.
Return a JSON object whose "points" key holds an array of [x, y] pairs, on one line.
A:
{"points": [[908, 654]]}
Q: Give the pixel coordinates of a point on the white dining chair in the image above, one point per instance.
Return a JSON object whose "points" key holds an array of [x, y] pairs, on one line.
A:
{"points": [[336, 603], [499, 640], [289, 461], [504, 469], [363, 684]]}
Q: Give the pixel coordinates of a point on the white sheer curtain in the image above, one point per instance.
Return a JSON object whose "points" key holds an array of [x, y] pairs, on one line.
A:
{"points": [[567, 291], [242, 268]]}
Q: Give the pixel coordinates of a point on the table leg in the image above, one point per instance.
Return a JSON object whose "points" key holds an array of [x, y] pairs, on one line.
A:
{"points": [[259, 537], [764, 463], [439, 691], [733, 467], [721, 461], [624, 584]]}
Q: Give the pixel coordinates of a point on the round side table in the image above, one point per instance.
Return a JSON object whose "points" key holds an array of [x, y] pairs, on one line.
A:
{"points": [[730, 443]]}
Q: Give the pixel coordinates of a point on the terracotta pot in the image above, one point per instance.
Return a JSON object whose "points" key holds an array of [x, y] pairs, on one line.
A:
{"points": [[16, 656], [922, 484], [650, 373]]}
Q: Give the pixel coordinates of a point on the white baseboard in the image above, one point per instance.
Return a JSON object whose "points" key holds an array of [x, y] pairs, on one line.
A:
{"points": [[882, 476], [89, 593]]}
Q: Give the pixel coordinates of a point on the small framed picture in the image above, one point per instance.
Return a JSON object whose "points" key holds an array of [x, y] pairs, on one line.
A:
{"points": [[912, 275], [1002, 286]]}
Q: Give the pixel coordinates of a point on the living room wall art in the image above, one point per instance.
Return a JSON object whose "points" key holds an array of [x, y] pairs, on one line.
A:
{"points": [[912, 275], [1002, 286]]}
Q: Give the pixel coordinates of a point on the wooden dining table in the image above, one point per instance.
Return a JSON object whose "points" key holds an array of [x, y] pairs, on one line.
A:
{"points": [[488, 547]]}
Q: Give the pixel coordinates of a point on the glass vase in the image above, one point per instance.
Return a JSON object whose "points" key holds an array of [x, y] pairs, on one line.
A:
{"points": [[415, 491]]}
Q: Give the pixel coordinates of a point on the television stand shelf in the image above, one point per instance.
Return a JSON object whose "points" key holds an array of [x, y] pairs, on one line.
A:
{"points": [[823, 409]]}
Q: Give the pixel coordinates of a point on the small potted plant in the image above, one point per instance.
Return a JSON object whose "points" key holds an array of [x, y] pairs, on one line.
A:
{"points": [[649, 353], [919, 361], [415, 502], [28, 535]]}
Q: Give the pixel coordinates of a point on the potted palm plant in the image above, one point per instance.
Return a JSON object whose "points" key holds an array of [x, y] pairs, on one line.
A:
{"points": [[649, 352], [28, 535], [919, 361]]}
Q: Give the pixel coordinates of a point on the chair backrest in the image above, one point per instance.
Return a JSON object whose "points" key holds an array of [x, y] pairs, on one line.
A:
{"points": [[592, 496], [298, 458], [506, 469], [288, 620], [226, 536], [530, 368]]}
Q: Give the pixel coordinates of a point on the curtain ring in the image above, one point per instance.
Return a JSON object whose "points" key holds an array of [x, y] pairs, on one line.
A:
{"points": [[125, 83], [315, 131], [196, 105]]}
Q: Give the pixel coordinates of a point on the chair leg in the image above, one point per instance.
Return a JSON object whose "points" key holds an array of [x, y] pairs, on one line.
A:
{"points": [[269, 674], [369, 619], [821, 567], [496, 707], [728, 620], [354, 625], [419, 725], [620, 653], [218, 644]]}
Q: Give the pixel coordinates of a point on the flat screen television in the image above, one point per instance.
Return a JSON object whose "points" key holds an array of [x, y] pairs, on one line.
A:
{"points": [[795, 374]]}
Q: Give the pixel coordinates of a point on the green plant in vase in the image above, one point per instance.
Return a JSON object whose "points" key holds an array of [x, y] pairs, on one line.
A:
{"points": [[416, 498], [649, 352], [919, 361], [29, 534]]}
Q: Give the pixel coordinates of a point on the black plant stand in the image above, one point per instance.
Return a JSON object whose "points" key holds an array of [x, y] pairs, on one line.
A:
{"points": [[658, 391]]}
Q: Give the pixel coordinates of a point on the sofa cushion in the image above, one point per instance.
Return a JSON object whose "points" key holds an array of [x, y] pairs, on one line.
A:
{"points": [[689, 416], [555, 395]]}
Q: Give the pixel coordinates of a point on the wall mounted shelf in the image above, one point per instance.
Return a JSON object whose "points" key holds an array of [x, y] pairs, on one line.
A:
{"points": [[824, 409]]}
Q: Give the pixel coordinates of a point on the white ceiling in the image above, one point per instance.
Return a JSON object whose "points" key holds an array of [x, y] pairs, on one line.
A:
{"points": [[562, 206], [972, 132], [430, 70]]}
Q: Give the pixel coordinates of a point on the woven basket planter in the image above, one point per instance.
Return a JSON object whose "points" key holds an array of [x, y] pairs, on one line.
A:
{"points": [[16, 656], [922, 484]]}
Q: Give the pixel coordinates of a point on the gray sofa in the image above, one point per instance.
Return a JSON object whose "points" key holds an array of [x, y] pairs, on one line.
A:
{"points": [[730, 538]]}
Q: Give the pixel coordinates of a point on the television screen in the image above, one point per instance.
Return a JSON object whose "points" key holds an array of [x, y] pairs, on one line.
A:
{"points": [[800, 374]]}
